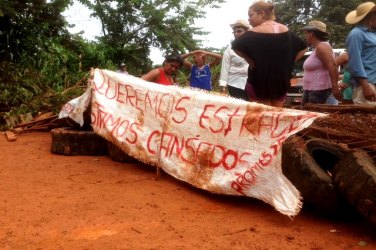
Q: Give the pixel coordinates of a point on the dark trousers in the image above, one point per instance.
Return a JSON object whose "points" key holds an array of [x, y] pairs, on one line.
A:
{"points": [[316, 96], [237, 93]]}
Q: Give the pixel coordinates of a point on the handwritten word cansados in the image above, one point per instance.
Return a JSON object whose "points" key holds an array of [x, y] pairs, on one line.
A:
{"points": [[193, 150]]}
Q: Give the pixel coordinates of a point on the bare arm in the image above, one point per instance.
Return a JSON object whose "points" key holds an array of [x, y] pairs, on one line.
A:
{"points": [[217, 58], [249, 60], [342, 59], [325, 54], [186, 63], [151, 76], [300, 55]]}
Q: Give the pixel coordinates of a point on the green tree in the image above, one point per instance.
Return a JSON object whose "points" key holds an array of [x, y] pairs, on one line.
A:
{"points": [[38, 56], [40, 60], [133, 27], [333, 13], [25, 25], [296, 14]]}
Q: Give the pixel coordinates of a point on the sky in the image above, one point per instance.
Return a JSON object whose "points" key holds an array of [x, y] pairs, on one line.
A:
{"points": [[216, 22]]}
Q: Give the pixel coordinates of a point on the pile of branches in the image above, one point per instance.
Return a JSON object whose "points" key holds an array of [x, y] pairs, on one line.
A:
{"points": [[347, 124]]}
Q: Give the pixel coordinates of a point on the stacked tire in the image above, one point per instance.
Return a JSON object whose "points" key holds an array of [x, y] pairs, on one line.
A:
{"points": [[355, 177], [331, 178], [70, 141], [116, 154]]}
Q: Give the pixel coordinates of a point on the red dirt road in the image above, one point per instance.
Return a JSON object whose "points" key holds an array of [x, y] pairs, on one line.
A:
{"points": [[51, 201]]}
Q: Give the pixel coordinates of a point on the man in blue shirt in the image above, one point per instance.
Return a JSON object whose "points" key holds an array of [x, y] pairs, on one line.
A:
{"points": [[361, 47]]}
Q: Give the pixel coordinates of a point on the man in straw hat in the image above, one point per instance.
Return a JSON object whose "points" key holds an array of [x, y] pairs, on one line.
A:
{"points": [[234, 69], [361, 47]]}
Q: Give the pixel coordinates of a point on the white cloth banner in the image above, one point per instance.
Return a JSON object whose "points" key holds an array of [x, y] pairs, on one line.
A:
{"points": [[216, 143], [75, 108]]}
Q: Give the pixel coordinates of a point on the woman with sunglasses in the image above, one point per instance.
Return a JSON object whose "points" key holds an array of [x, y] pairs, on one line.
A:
{"points": [[234, 69], [164, 75]]}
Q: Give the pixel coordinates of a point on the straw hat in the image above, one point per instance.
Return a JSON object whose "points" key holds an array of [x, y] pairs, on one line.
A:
{"points": [[316, 25], [241, 23], [361, 11]]}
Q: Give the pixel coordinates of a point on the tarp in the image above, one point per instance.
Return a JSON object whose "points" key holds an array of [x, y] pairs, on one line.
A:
{"points": [[216, 143]]}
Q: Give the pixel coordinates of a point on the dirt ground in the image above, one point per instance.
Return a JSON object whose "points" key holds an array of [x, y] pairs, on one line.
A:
{"points": [[51, 201]]}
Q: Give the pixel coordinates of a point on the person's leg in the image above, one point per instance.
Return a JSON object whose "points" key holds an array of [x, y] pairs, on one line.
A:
{"points": [[277, 103], [238, 93], [250, 92], [270, 102], [305, 97], [264, 101]]}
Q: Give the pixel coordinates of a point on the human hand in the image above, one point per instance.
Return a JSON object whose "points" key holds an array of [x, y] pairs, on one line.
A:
{"points": [[199, 52], [369, 93], [337, 93], [342, 86]]}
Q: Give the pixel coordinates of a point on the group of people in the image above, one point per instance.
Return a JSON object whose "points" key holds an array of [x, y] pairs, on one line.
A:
{"points": [[258, 65], [200, 69], [320, 81]]}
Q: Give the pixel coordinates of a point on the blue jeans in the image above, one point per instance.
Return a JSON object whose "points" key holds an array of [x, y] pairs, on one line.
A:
{"points": [[316, 96]]}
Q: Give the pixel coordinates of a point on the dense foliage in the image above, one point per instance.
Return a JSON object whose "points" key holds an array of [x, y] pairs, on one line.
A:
{"points": [[131, 28], [297, 14], [42, 65]]}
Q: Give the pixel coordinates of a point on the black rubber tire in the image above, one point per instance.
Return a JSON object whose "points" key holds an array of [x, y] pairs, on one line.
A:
{"points": [[302, 164], [116, 154], [67, 141], [355, 178]]}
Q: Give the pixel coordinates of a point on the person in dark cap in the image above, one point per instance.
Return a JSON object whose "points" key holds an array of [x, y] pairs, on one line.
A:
{"points": [[361, 47], [320, 78]]}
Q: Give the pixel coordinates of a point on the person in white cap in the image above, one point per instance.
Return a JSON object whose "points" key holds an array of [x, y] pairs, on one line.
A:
{"points": [[361, 47], [234, 69], [122, 69]]}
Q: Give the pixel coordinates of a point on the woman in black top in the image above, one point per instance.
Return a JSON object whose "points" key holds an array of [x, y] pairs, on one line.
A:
{"points": [[271, 50]]}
